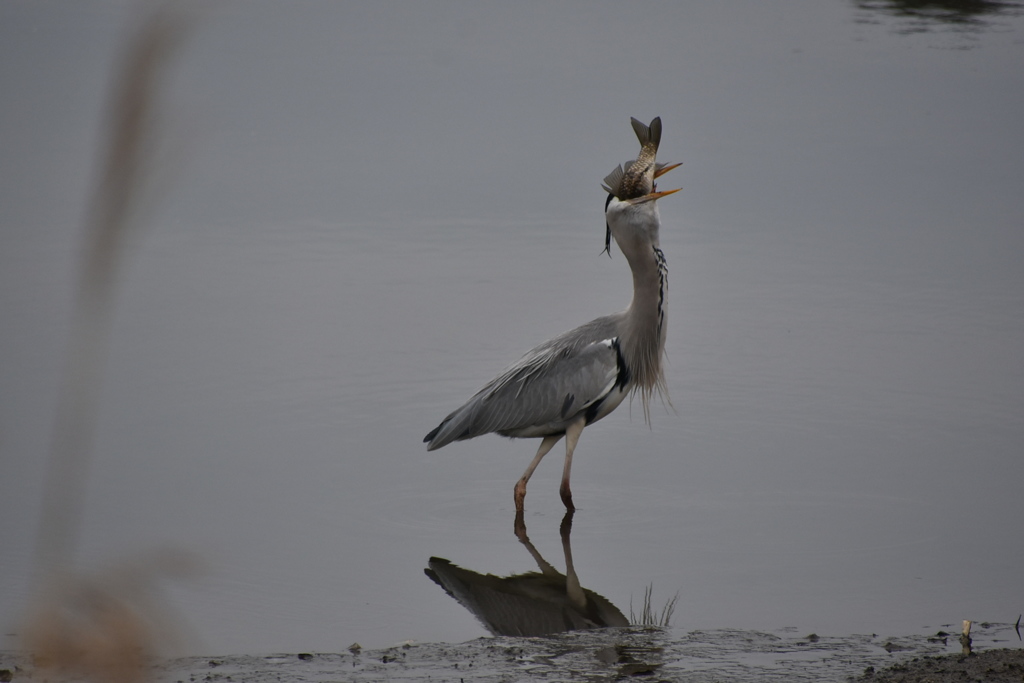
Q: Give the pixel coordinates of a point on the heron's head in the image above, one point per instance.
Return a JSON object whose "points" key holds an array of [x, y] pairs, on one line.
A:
{"points": [[635, 218], [624, 211]]}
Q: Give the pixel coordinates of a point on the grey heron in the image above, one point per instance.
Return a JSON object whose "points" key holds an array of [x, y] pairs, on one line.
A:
{"points": [[582, 375]]}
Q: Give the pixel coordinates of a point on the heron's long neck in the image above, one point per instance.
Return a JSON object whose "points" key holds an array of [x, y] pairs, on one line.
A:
{"points": [[643, 334]]}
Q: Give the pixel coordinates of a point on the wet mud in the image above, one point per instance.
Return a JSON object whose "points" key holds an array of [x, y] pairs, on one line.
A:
{"points": [[616, 654], [994, 666]]}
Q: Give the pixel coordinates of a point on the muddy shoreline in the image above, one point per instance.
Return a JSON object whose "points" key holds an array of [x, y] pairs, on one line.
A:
{"points": [[643, 653]]}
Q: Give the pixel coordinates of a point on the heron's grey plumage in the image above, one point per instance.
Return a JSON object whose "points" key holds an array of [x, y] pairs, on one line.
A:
{"points": [[582, 375], [574, 373]]}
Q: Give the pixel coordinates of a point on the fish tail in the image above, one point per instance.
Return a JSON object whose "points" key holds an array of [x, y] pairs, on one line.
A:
{"points": [[648, 135]]}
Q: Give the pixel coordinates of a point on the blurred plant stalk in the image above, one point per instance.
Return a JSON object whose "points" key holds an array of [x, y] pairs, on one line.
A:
{"points": [[110, 221], [102, 628]]}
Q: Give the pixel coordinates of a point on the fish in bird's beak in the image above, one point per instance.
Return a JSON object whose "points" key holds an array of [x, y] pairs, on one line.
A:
{"points": [[633, 181], [636, 178]]}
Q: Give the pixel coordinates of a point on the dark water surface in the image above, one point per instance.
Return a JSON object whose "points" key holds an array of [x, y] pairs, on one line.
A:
{"points": [[367, 211]]}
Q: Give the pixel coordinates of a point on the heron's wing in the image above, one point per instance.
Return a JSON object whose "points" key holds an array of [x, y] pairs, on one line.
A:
{"points": [[540, 394], [553, 392]]}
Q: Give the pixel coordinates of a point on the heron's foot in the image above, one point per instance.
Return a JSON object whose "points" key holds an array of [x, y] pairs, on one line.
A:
{"points": [[566, 497], [520, 495]]}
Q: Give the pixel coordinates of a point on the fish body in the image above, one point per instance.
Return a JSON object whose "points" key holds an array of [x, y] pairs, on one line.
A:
{"points": [[637, 177]]}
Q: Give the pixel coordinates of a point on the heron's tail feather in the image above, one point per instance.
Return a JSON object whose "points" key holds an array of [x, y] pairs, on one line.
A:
{"points": [[455, 427], [430, 437]]}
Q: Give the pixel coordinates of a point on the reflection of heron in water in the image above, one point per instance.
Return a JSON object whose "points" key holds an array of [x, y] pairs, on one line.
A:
{"points": [[529, 604]]}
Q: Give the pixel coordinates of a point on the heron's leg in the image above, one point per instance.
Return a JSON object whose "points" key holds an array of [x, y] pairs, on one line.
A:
{"points": [[520, 491], [572, 435]]}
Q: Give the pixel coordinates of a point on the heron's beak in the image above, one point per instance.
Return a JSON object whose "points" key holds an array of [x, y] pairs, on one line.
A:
{"points": [[652, 196], [662, 170]]}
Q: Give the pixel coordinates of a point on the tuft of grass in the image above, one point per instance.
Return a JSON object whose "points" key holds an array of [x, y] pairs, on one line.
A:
{"points": [[648, 615]]}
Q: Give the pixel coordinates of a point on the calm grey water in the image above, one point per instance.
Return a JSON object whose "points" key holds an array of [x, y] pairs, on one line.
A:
{"points": [[367, 211]]}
